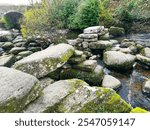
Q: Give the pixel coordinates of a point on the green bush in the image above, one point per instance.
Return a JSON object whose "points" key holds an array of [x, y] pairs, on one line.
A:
{"points": [[72, 14], [87, 15], [36, 20], [65, 11], [106, 16], [132, 10]]}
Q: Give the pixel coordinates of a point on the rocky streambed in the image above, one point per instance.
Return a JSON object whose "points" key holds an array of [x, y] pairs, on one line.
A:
{"points": [[92, 73]]}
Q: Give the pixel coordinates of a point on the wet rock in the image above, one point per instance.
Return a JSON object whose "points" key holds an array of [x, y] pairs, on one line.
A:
{"points": [[7, 45], [17, 90], [53, 95], [94, 29], [111, 82], [119, 60], [16, 50], [25, 53], [88, 65], [93, 78], [116, 31], [101, 44], [42, 63], [143, 59], [7, 60], [146, 88]]}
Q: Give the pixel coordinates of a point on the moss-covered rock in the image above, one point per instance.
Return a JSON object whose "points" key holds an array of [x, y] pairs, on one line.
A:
{"points": [[54, 94], [42, 63], [93, 78], [94, 100], [17, 90], [138, 110], [116, 31], [70, 96]]}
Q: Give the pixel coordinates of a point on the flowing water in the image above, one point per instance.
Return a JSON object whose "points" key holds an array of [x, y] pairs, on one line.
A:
{"points": [[132, 82]]}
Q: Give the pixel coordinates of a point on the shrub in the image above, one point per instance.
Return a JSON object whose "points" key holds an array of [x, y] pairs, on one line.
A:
{"points": [[106, 17], [66, 10], [132, 10], [87, 15]]}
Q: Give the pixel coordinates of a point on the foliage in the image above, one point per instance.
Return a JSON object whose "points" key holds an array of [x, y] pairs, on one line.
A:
{"points": [[132, 10], [64, 11], [106, 16], [7, 23], [36, 20], [87, 14]]}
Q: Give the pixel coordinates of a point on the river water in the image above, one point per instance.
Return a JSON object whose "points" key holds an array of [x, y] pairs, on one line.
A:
{"points": [[131, 89], [132, 81]]}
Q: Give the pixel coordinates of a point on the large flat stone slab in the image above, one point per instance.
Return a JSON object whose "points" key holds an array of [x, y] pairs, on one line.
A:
{"points": [[53, 95], [42, 63]]}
